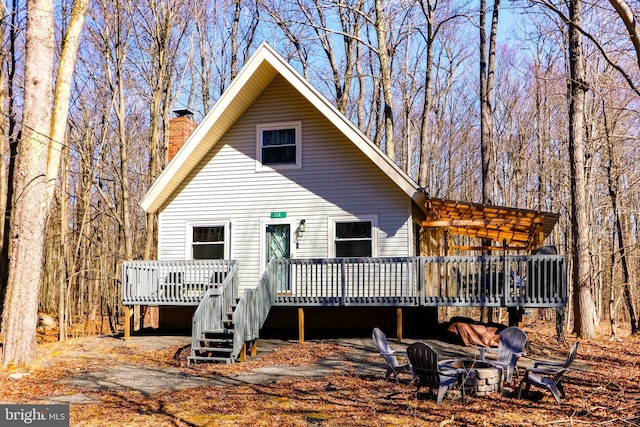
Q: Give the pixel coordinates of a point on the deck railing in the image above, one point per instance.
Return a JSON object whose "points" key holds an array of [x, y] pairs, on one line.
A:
{"points": [[171, 282], [214, 306], [494, 281], [252, 310]]}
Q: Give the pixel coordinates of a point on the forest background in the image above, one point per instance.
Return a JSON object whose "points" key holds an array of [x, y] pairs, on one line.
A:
{"points": [[531, 104]]}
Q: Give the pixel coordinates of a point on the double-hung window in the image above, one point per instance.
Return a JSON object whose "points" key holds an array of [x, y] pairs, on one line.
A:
{"points": [[354, 238], [279, 145], [208, 242]]}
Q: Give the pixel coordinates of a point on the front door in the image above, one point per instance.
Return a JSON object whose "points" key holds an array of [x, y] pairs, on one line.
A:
{"points": [[278, 246]]}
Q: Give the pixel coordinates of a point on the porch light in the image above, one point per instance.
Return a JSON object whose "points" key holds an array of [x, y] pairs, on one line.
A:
{"points": [[302, 227]]}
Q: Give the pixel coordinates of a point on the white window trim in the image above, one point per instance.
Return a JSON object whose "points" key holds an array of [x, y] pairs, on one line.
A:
{"points": [[188, 249], [297, 125], [332, 232]]}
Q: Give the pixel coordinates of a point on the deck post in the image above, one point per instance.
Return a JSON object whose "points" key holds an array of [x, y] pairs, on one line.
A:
{"points": [[399, 323], [300, 325], [243, 353], [516, 316], [127, 322]]}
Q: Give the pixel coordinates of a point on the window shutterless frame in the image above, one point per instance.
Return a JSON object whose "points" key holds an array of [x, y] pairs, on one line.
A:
{"points": [[353, 237], [208, 240], [279, 146]]}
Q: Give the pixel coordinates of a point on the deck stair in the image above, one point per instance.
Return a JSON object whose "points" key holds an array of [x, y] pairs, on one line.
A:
{"points": [[215, 345]]}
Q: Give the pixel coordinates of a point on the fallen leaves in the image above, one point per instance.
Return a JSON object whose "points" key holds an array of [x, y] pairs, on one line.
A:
{"points": [[602, 390]]}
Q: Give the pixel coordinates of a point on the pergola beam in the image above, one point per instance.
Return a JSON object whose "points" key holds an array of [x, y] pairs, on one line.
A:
{"points": [[490, 248], [516, 229], [498, 222]]}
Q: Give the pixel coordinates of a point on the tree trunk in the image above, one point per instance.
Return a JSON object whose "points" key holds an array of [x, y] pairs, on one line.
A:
{"points": [[4, 153], [626, 14], [487, 72], [234, 39], [36, 170], [5, 213], [351, 26], [429, 14], [613, 186], [201, 24], [62, 94], [65, 255], [584, 309], [29, 211], [385, 78], [124, 152]]}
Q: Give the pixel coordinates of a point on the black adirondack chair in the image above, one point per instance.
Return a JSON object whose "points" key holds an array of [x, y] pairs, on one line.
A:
{"points": [[424, 362]]}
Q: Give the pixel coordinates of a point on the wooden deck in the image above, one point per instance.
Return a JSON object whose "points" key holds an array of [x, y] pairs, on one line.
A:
{"points": [[226, 319], [484, 281]]}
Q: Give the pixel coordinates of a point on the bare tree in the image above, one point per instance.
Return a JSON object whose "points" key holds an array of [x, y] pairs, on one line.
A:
{"points": [[350, 15], [29, 210], [4, 147], [63, 92], [9, 134], [383, 45], [162, 27], [433, 27], [613, 184], [38, 160], [487, 75], [428, 9], [626, 14], [584, 309]]}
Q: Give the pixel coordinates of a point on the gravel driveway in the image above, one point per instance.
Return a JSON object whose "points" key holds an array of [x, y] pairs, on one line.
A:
{"points": [[108, 373]]}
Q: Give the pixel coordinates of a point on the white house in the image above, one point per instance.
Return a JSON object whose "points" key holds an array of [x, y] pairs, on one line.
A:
{"points": [[287, 204], [276, 171]]}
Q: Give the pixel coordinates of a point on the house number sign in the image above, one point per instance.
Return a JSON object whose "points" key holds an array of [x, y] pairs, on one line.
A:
{"points": [[278, 214]]}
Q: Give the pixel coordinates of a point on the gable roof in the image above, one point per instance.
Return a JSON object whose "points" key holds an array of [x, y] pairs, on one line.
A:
{"points": [[255, 76]]}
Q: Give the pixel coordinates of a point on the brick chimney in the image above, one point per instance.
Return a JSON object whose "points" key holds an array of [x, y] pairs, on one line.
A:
{"points": [[180, 129]]}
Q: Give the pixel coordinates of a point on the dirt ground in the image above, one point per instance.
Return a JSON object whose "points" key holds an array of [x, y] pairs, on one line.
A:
{"points": [[144, 381], [109, 370]]}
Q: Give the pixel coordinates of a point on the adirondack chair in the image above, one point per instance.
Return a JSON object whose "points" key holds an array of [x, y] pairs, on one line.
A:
{"points": [[511, 344], [548, 375], [424, 362], [393, 366]]}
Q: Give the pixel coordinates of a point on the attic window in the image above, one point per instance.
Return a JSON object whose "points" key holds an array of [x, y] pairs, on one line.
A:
{"points": [[279, 146]]}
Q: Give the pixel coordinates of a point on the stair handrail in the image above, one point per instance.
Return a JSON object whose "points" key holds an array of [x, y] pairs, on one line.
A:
{"points": [[215, 303], [252, 310]]}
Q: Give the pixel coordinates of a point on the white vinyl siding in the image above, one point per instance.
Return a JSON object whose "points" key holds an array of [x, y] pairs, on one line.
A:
{"points": [[337, 180]]}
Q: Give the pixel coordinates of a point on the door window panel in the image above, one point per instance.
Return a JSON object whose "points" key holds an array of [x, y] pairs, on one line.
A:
{"points": [[278, 241]]}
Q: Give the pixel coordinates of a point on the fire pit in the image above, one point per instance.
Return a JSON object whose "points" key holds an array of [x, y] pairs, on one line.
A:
{"points": [[480, 378]]}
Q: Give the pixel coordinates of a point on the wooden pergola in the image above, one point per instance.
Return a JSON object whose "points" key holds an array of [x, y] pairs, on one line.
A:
{"points": [[516, 229]]}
